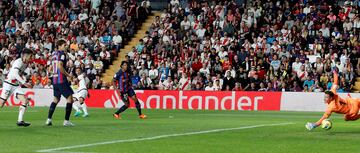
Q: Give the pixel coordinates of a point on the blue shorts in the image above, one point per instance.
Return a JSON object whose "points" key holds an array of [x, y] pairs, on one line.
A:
{"points": [[129, 93], [62, 89], [125, 95]]}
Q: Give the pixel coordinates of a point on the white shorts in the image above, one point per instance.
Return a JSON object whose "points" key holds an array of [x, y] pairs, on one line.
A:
{"points": [[80, 94], [9, 89]]}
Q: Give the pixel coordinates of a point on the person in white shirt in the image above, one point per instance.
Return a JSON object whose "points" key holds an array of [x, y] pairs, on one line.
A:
{"points": [[153, 73], [25, 24], [12, 85], [296, 65], [204, 70], [83, 16], [348, 25], [217, 86], [167, 84], [232, 72], [81, 94], [325, 31], [307, 9], [185, 23], [210, 87], [48, 85], [174, 2], [117, 40], [185, 82], [201, 32]]}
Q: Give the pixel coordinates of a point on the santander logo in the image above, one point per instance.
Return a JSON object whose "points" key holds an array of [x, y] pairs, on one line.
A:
{"points": [[201, 100]]}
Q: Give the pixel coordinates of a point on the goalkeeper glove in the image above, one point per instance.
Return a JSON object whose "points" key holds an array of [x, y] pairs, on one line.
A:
{"points": [[310, 126]]}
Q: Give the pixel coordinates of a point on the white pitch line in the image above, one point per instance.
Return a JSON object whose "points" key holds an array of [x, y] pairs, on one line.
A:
{"points": [[160, 137], [16, 111]]}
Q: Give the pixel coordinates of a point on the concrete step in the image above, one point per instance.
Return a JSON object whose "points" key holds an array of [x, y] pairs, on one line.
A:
{"points": [[140, 34], [356, 86], [358, 79]]}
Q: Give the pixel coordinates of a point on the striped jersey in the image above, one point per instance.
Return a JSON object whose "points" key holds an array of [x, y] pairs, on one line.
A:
{"points": [[58, 77], [124, 81]]}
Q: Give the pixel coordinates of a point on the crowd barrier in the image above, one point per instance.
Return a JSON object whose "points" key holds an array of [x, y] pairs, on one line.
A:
{"points": [[194, 100]]}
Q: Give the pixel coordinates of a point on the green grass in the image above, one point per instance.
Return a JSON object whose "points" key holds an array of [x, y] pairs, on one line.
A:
{"points": [[101, 127]]}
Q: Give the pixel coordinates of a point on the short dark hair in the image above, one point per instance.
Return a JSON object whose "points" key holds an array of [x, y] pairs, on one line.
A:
{"points": [[330, 93], [60, 42], [27, 51], [124, 62]]}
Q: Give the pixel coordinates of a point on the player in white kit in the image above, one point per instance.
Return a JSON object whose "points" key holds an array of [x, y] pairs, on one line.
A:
{"points": [[12, 83], [81, 94]]}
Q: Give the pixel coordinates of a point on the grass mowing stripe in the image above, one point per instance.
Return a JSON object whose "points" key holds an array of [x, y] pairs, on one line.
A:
{"points": [[162, 136]]}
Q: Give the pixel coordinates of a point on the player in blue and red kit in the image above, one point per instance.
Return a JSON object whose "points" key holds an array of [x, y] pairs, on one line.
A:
{"points": [[61, 86], [125, 89]]}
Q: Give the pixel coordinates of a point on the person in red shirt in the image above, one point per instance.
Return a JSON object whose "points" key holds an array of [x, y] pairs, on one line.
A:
{"points": [[226, 64], [196, 65]]}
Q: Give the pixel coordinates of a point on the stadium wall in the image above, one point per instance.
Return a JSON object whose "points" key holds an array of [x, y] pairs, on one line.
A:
{"points": [[194, 100]]}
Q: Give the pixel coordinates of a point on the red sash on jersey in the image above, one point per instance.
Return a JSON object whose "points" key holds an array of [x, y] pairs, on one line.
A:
{"points": [[185, 84], [196, 24], [225, 41]]}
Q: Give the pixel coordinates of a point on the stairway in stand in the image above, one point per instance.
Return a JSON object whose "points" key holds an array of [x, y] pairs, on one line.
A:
{"points": [[140, 34], [356, 87]]}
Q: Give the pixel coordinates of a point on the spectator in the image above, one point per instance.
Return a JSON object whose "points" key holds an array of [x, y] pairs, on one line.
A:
{"points": [[135, 79], [309, 82], [228, 81]]}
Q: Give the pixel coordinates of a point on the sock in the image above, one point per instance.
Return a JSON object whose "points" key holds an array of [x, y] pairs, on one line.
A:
{"points": [[121, 109], [68, 111], [51, 110], [84, 108], [76, 106], [138, 107], [22, 110]]}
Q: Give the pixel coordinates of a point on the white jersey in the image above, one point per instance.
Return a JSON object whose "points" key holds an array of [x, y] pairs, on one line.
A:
{"points": [[82, 90], [17, 67], [11, 83], [82, 82]]}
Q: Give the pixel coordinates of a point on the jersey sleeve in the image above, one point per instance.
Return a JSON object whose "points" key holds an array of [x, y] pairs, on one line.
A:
{"points": [[18, 77], [335, 83], [117, 75], [62, 57]]}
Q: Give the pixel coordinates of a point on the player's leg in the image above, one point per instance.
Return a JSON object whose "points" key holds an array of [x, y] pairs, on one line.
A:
{"points": [[126, 105], [6, 92], [353, 115], [76, 105], [67, 92], [57, 96], [19, 94], [137, 103], [83, 106]]}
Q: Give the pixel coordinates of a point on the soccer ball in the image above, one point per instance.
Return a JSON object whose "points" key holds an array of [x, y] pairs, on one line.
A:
{"points": [[326, 124]]}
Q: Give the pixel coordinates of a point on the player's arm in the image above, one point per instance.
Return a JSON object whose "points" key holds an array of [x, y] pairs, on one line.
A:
{"points": [[116, 77], [20, 79], [62, 70], [326, 115], [311, 126], [335, 83]]}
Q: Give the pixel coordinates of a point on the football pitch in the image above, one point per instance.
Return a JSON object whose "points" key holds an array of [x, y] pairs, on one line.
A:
{"points": [[176, 131]]}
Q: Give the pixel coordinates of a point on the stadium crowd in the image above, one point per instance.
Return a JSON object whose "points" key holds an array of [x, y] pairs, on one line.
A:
{"points": [[263, 45], [94, 29]]}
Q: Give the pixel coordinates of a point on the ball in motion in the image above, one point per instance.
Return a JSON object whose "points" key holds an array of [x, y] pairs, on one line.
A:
{"points": [[326, 124]]}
